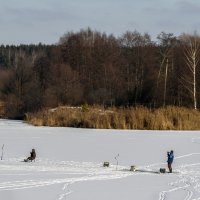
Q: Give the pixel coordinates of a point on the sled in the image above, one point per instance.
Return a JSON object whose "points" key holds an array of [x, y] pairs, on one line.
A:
{"points": [[28, 160], [160, 171]]}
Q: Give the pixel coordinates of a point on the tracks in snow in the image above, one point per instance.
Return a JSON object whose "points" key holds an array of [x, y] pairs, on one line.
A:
{"points": [[19, 175], [187, 183]]}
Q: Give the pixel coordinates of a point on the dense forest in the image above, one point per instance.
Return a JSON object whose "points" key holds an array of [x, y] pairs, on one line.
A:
{"points": [[89, 67]]}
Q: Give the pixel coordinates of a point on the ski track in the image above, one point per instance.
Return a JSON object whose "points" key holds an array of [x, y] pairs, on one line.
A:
{"points": [[58, 172], [188, 181], [70, 172]]}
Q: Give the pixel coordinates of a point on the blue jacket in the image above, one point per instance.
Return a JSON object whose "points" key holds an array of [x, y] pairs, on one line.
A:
{"points": [[170, 157]]}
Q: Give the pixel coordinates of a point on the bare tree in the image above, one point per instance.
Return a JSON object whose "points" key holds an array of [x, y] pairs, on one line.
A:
{"points": [[135, 46], [191, 53], [166, 41], [19, 89]]}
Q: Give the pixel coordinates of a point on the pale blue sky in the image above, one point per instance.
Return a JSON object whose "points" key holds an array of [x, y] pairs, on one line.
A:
{"points": [[34, 21]]}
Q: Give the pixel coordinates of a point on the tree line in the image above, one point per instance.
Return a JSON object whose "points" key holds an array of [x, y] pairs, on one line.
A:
{"points": [[90, 67]]}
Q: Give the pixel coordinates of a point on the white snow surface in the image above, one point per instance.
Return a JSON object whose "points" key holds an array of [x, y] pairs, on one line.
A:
{"points": [[69, 164]]}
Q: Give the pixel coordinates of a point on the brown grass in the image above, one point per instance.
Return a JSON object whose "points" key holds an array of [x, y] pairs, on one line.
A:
{"points": [[169, 118]]}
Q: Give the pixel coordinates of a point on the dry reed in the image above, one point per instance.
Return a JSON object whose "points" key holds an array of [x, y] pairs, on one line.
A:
{"points": [[168, 118]]}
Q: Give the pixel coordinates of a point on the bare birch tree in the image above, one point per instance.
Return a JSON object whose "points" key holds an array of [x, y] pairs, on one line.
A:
{"points": [[191, 53]]}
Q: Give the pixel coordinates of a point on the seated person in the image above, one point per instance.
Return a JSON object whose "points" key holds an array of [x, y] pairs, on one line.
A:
{"points": [[32, 156]]}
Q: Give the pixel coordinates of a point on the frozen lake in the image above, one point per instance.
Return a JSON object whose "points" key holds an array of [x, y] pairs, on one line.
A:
{"points": [[69, 164]]}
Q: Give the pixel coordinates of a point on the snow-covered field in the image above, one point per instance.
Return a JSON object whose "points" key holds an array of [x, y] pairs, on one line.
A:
{"points": [[69, 164]]}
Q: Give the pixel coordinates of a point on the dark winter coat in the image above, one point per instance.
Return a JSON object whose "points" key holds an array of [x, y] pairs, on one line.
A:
{"points": [[33, 155], [170, 157]]}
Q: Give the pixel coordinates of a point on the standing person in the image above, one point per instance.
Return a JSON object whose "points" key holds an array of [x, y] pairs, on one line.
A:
{"points": [[170, 158]]}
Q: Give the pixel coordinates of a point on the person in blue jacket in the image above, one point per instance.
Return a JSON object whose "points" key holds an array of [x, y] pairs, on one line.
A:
{"points": [[170, 159]]}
